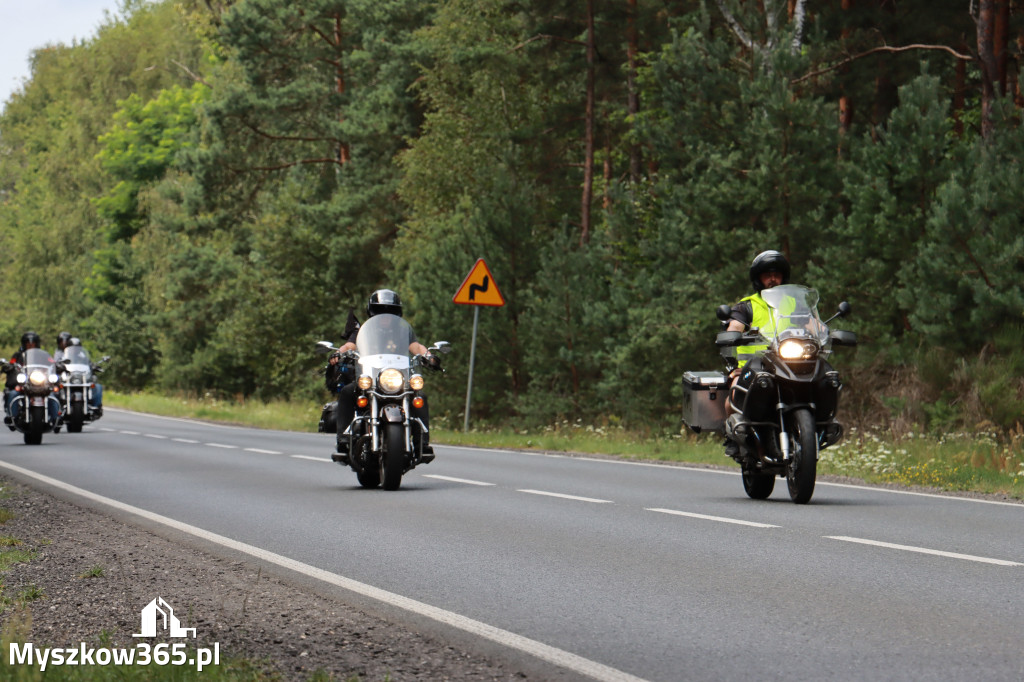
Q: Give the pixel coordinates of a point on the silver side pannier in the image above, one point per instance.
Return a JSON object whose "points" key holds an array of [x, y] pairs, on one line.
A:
{"points": [[704, 400]]}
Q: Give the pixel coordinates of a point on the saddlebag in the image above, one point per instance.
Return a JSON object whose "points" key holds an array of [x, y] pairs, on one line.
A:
{"points": [[704, 396], [328, 421]]}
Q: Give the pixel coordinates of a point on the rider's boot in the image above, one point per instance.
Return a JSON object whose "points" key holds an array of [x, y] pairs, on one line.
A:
{"points": [[342, 452]]}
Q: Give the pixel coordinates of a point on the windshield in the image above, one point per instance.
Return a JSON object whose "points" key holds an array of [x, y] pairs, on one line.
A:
{"points": [[794, 311], [76, 355], [37, 356], [384, 342]]}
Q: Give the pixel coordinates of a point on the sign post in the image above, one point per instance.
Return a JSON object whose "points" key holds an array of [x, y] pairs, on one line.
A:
{"points": [[478, 289]]}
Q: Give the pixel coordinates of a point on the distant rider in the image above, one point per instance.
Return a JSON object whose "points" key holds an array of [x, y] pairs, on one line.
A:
{"points": [[382, 301], [28, 340]]}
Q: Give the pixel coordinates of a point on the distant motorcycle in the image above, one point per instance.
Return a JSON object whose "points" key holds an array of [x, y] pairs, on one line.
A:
{"points": [[78, 382], [35, 409], [785, 401], [385, 440]]}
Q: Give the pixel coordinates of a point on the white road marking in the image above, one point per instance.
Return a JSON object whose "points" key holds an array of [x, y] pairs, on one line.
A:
{"points": [[130, 433], [705, 517], [566, 497], [155, 435], [456, 480], [315, 459], [222, 445], [185, 440], [545, 652], [264, 452], [923, 550]]}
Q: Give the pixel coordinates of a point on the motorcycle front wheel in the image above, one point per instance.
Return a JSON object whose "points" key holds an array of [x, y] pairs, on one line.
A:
{"points": [[803, 464], [37, 416], [392, 462], [759, 486], [76, 417]]}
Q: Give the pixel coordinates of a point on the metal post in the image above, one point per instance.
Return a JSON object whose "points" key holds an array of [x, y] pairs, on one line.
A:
{"points": [[472, 361]]}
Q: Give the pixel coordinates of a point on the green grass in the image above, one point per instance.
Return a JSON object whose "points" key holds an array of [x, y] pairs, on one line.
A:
{"points": [[978, 462]]}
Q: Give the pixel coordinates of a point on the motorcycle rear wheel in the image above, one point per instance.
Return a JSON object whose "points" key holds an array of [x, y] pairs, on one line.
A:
{"points": [[393, 457], [759, 486], [803, 465]]}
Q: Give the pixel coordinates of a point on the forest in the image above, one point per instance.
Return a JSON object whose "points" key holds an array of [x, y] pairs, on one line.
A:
{"points": [[205, 188]]}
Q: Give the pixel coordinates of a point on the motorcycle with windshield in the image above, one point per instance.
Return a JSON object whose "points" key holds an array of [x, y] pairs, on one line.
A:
{"points": [[783, 406], [385, 439], [78, 382], [34, 407]]}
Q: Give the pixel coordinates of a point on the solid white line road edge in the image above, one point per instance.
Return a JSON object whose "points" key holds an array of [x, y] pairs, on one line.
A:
{"points": [[923, 550], [551, 654]]}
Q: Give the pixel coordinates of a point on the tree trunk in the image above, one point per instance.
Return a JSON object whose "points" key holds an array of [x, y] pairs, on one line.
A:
{"points": [[339, 84], [588, 133], [986, 22], [633, 103], [845, 101]]}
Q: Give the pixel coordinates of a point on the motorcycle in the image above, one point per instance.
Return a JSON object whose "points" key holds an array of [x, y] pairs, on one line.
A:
{"points": [[385, 440], [783, 405], [34, 409], [78, 383]]}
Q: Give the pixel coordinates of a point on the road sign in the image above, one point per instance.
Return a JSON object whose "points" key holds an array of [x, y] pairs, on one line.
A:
{"points": [[479, 288]]}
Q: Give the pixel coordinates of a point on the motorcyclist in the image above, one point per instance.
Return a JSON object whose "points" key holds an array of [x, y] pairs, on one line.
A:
{"points": [[28, 340], [96, 402], [63, 341], [768, 269], [382, 301]]}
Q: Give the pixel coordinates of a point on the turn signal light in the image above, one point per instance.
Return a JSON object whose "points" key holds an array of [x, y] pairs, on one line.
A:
{"points": [[417, 402], [362, 401]]}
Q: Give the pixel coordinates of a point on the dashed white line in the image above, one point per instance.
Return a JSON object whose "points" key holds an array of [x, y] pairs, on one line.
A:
{"points": [[456, 480], [705, 517], [185, 440], [263, 452], [222, 445], [924, 550], [155, 435], [315, 459], [130, 433], [565, 497]]}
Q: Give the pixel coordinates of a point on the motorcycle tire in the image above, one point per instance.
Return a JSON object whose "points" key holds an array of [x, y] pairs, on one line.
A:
{"points": [[369, 478], [33, 430], [803, 465], [76, 417], [758, 486], [392, 463]]}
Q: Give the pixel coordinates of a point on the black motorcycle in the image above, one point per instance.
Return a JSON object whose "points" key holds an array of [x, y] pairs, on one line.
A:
{"points": [[783, 405], [78, 383], [385, 439], [34, 408]]}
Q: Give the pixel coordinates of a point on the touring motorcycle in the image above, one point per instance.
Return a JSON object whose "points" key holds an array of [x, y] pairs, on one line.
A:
{"points": [[782, 407], [34, 408], [78, 382], [385, 439]]}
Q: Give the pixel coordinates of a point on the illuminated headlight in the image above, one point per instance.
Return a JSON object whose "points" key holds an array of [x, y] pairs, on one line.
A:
{"points": [[391, 381], [22, 377], [365, 382], [416, 382], [37, 377], [54, 378], [791, 349]]}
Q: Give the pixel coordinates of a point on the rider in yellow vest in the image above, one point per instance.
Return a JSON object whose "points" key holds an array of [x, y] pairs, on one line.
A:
{"points": [[768, 269]]}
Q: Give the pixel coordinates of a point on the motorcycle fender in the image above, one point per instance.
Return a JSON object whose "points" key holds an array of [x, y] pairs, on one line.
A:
{"points": [[77, 396], [393, 414], [38, 401]]}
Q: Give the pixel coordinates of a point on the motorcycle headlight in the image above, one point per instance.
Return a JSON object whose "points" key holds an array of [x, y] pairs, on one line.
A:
{"points": [[793, 349], [416, 382], [391, 381], [54, 378], [365, 382], [22, 377], [37, 377]]}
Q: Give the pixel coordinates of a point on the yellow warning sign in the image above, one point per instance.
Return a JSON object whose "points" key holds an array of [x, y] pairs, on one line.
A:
{"points": [[479, 288]]}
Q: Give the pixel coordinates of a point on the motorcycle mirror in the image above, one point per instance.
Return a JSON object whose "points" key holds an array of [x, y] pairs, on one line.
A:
{"points": [[105, 358], [844, 309], [723, 312], [60, 366], [324, 347], [442, 346]]}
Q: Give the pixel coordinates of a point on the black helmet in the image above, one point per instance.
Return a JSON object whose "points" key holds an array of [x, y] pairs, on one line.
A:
{"points": [[384, 301], [30, 338], [63, 340], [768, 261]]}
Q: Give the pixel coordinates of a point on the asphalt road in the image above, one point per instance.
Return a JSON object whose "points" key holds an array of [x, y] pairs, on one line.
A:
{"points": [[635, 570]]}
